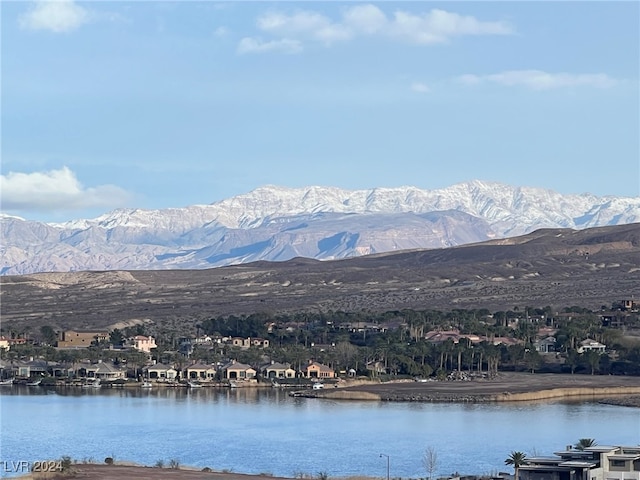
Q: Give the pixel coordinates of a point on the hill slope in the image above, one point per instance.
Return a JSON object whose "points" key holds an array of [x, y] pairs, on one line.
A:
{"points": [[557, 267]]}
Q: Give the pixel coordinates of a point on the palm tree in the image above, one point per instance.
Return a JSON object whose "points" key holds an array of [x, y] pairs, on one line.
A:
{"points": [[517, 459], [583, 443]]}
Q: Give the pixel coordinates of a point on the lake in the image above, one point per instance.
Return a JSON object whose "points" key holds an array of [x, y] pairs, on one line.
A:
{"points": [[267, 431]]}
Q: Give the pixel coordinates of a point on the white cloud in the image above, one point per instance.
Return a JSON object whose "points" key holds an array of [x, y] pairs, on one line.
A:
{"points": [[257, 45], [303, 25], [57, 16], [367, 19], [221, 32], [439, 26], [56, 190], [420, 87], [540, 80], [436, 26], [469, 79]]}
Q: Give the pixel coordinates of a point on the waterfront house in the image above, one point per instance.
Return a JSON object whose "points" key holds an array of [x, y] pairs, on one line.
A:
{"points": [[593, 463], [103, 371], [238, 371], [31, 369], [318, 370], [161, 372], [201, 372], [277, 370]]}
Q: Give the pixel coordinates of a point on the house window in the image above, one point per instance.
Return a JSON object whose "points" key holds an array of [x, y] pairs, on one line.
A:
{"points": [[617, 463]]}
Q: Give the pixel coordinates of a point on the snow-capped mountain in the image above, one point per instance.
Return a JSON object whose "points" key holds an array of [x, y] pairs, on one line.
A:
{"points": [[276, 223]]}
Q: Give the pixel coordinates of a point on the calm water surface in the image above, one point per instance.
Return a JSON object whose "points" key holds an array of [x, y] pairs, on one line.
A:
{"points": [[266, 431]]}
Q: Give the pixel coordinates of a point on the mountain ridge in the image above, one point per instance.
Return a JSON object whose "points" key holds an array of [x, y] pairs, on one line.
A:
{"points": [[278, 223]]}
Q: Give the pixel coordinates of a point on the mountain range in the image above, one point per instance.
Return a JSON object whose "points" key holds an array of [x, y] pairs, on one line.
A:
{"points": [[324, 223]]}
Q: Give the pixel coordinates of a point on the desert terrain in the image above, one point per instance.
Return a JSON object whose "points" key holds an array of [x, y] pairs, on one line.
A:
{"points": [[555, 267]]}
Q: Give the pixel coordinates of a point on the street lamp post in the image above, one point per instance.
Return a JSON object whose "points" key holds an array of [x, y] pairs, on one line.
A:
{"points": [[387, 456]]}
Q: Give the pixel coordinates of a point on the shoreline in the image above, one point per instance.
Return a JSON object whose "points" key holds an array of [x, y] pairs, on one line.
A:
{"points": [[541, 395], [131, 470], [506, 387]]}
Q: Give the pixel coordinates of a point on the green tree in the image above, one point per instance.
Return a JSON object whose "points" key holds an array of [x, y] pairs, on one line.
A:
{"points": [[517, 459], [116, 337], [572, 360], [48, 334], [583, 443], [533, 359], [593, 360]]}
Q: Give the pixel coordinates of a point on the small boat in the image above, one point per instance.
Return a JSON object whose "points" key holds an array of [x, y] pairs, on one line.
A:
{"points": [[233, 385], [94, 384], [34, 384], [194, 385], [146, 384], [318, 386], [8, 381]]}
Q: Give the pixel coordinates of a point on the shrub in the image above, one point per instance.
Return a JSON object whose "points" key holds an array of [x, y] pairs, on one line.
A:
{"points": [[108, 460], [159, 464], [174, 463], [66, 463]]}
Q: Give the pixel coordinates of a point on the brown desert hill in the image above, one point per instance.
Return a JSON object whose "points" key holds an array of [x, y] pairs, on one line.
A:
{"points": [[556, 267]]}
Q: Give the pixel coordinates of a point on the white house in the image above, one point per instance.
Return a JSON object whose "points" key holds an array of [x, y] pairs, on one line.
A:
{"points": [[590, 345]]}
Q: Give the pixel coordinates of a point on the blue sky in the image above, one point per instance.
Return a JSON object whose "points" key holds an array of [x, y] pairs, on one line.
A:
{"points": [[160, 104]]}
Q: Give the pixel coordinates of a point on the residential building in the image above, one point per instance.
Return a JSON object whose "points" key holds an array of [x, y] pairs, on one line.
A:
{"points": [[590, 345], [248, 342], [545, 345], [592, 463], [238, 371], [161, 372], [4, 343], [277, 370], [30, 369], [103, 371], [143, 343], [318, 370], [259, 342], [201, 372], [81, 338], [376, 367]]}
